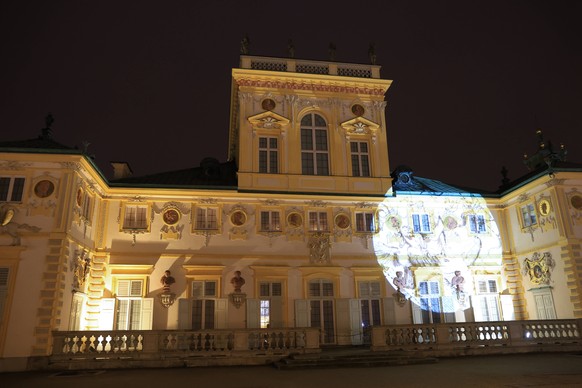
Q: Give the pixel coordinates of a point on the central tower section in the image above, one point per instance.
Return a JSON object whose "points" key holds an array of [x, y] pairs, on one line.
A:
{"points": [[309, 127]]}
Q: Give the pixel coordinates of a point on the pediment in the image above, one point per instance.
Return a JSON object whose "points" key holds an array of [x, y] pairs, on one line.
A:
{"points": [[268, 120], [360, 126]]}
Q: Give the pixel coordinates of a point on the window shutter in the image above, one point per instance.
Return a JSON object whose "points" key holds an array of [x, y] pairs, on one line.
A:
{"points": [[107, 313], [416, 313], [355, 316], [147, 313], [221, 313], [136, 288], [184, 316], [253, 313], [276, 312], [123, 287], [389, 311], [477, 308], [302, 313]]}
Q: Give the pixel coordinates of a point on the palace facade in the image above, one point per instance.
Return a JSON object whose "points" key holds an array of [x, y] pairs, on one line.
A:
{"points": [[306, 225]]}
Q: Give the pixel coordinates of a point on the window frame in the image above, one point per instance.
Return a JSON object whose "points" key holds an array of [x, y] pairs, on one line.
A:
{"points": [[123, 219], [268, 166], [367, 229], [10, 188], [318, 227], [528, 215], [206, 229], [359, 155], [477, 223], [271, 223], [424, 224]]}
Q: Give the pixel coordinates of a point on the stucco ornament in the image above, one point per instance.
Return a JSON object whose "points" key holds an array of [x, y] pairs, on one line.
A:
{"points": [[319, 245], [539, 268]]}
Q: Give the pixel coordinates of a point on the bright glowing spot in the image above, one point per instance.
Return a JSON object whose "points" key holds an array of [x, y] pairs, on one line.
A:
{"points": [[433, 248]]}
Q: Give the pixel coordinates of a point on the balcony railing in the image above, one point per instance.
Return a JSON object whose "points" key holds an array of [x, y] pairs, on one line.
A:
{"points": [[310, 67], [180, 344], [450, 336]]}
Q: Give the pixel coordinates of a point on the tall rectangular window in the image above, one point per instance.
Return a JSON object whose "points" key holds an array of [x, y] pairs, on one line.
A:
{"points": [[204, 293], [430, 301], [421, 223], [270, 293], [314, 147], [268, 155], [318, 221], [129, 304], [11, 189], [270, 221], [135, 217], [487, 301], [206, 218], [360, 158], [528, 215]]}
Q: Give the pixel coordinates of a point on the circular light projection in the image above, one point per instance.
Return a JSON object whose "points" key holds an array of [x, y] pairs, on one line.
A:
{"points": [[431, 247]]}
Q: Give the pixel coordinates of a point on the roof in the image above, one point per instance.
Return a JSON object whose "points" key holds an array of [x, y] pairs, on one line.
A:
{"points": [[211, 173]]}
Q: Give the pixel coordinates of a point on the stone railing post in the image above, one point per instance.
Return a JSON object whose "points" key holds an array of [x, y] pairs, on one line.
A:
{"points": [[378, 336], [442, 335], [241, 341], [58, 343], [151, 341], [311, 338], [516, 334]]}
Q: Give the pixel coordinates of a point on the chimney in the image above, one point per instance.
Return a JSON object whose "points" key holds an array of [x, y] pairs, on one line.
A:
{"points": [[121, 170]]}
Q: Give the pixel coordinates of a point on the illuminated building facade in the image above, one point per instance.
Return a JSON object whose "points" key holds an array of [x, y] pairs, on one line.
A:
{"points": [[306, 225]]}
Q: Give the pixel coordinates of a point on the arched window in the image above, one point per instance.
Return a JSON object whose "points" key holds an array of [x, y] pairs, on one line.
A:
{"points": [[314, 149]]}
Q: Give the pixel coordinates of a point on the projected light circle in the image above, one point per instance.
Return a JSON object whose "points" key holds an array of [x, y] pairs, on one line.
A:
{"points": [[430, 247]]}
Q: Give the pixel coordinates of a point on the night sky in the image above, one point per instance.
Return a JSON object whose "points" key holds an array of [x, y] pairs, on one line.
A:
{"points": [[148, 82]]}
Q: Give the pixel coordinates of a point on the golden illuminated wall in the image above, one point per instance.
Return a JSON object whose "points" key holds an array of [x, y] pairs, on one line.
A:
{"points": [[269, 103]]}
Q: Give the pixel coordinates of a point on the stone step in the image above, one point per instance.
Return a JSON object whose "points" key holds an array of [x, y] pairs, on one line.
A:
{"points": [[350, 361]]}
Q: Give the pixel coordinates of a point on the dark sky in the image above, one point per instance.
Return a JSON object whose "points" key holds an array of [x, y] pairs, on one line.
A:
{"points": [[148, 82]]}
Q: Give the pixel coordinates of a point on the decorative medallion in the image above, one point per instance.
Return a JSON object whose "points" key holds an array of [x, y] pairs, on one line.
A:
{"points": [[576, 202], [171, 216], [79, 197], [358, 110], [450, 223], [295, 220], [44, 188], [268, 104], [544, 207], [342, 221], [238, 218]]}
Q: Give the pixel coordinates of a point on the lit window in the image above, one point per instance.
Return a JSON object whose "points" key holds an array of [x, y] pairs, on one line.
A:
{"points": [[528, 215], [135, 217], [11, 189], [477, 223], [365, 222], [486, 303], [314, 149], [270, 221], [129, 304], [87, 206], [204, 308], [360, 158], [430, 301], [421, 223], [268, 155], [270, 293], [318, 221], [206, 218]]}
